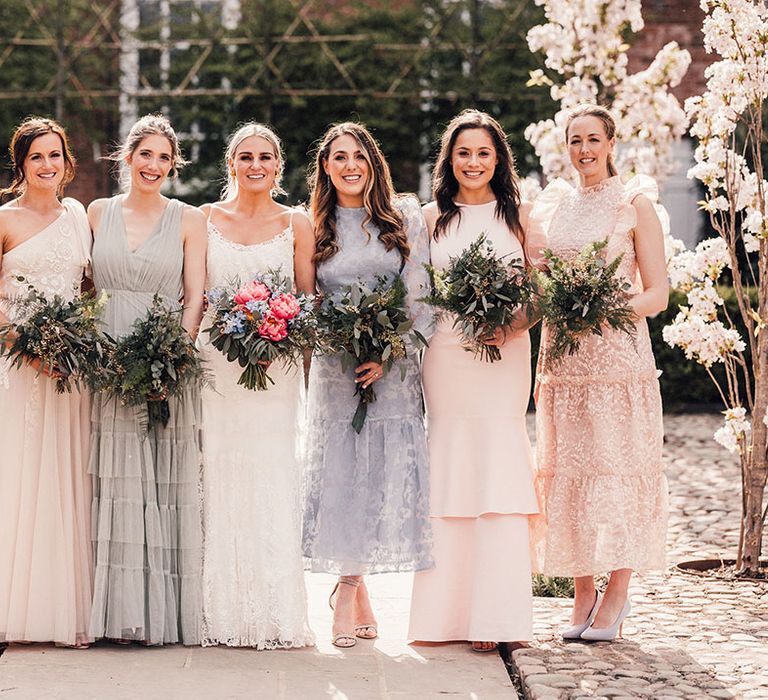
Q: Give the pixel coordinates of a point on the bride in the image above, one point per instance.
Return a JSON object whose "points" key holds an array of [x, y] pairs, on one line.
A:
{"points": [[253, 579]]}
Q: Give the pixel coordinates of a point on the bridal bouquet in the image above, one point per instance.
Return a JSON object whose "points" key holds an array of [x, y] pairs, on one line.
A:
{"points": [[259, 322], [367, 324], [63, 336], [155, 361], [580, 296], [482, 291]]}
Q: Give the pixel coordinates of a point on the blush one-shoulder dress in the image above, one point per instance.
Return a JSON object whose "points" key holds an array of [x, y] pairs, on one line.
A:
{"points": [[45, 551], [600, 475]]}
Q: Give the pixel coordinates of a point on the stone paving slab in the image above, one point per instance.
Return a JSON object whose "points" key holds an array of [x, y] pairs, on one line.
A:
{"points": [[387, 669], [687, 636]]}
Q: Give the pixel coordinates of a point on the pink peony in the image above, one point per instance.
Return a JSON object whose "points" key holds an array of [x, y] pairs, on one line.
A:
{"points": [[285, 306], [273, 328], [252, 291]]}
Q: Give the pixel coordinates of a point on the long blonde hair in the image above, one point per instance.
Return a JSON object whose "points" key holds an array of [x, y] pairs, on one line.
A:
{"points": [[229, 190], [378, 196]]}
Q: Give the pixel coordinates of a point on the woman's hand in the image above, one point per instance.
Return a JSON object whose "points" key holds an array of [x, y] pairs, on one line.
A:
{"points": [[41, 368], [368, 373], [497, 338]]}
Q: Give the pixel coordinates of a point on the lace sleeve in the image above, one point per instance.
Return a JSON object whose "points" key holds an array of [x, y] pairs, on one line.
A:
{"points": [[414, 274], [544, 208]]}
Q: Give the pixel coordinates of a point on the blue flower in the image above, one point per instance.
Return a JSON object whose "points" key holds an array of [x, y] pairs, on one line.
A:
{"points": [[257, 307], [214, 296], [234, 323]]}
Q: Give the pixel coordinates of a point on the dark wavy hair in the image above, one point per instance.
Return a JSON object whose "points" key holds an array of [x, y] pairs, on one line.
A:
{"points": [[504, 182], [378, 196], [26, 132]]}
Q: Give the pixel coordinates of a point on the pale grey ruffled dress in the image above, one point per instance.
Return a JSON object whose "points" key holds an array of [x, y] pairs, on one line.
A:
{"points": [[367, 508], [146, 505]]}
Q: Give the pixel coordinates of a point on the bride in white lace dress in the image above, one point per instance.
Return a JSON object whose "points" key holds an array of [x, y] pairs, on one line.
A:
{"points": [[253, 578]]}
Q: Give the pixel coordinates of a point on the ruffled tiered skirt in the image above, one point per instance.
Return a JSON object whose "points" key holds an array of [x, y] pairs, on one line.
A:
{"points": [[600, 476], [481, 495], [367, 495], [146, 523]]}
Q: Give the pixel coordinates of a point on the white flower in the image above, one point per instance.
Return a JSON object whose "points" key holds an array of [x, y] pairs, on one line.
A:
{"points": [[584, 41], [734, 430]]}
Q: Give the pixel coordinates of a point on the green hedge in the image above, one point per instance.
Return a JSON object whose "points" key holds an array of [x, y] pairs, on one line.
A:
{"points": [[685, 385]]}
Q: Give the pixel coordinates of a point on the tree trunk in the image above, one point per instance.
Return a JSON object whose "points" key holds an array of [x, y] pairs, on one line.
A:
{"points": [[756, 460]]}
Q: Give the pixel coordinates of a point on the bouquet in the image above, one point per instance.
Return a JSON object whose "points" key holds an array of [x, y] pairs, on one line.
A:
{"points": [[259, 322], [155, 361], [367, 324], [580, 296], [63, 336], [483, 291]]}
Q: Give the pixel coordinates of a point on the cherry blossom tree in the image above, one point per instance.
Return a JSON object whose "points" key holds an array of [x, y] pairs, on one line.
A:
{"points": [[584, 47], [728, 121]]}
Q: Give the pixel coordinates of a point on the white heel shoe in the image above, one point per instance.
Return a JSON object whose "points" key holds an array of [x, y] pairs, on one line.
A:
{"points": [[574, 631], [607, 634]]}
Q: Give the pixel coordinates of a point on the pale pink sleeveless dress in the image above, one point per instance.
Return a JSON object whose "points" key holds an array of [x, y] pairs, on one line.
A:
{"points": [[45, 494], [599, 432], [481, 480]]}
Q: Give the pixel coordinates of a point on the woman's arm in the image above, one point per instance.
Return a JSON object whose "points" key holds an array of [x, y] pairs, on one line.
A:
{"points": [[303, 252], [649, 251], [3, 318], [525, 317], [195, 241]]}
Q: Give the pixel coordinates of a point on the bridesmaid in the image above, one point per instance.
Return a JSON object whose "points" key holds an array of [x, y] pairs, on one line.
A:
{"points": [[146, 506], [45, 556], [481, 481], [367, 494], [251, 476], [598, 419]]}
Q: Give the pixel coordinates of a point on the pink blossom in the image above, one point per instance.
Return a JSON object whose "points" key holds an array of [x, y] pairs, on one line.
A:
{"points": [[285, 306], [273, 328], [252, 291]]}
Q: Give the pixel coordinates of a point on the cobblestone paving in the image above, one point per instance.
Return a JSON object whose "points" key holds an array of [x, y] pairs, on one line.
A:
{"points": [[687, 636]]}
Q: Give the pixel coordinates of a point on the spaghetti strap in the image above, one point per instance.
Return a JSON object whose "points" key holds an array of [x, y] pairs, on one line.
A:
{"points": [[290, 218]]}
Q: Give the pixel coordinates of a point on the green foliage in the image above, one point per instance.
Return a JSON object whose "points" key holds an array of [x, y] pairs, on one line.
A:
{"points": [[364, 323], [552, 586], [404, 69], [580, 296], [482, 291], [685, 384], [62, 335], [155, 361]]}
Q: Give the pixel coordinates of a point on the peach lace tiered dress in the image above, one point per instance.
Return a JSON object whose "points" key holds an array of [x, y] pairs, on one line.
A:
{"points": [[600, 476]]}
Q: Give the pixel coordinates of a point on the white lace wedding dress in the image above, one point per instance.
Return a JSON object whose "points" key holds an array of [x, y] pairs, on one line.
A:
{"points": [[253, 578]]}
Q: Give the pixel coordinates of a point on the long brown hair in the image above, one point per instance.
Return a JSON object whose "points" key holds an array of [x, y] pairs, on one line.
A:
{"points": [[609, 126], [378, 196], [26, 132], [504, 182], [148, 125]]}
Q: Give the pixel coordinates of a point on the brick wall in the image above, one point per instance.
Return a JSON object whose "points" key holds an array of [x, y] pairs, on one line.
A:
{"points": [[673, 20]]}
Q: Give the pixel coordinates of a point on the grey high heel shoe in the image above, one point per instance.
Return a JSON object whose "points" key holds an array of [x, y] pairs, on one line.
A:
{"points": [[607, 634], [574, 631]]}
